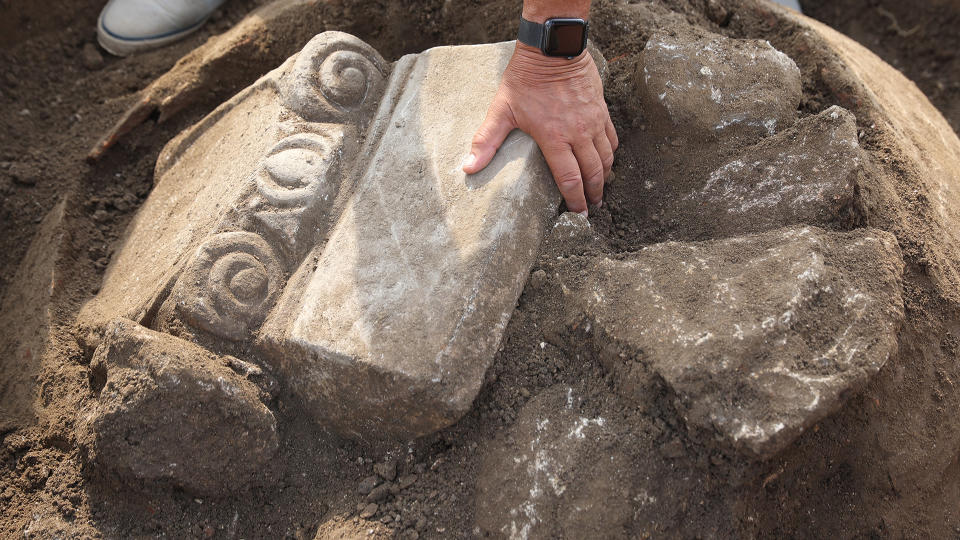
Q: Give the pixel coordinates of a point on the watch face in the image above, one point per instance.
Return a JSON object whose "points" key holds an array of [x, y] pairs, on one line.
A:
{"points": [[565, 37]]}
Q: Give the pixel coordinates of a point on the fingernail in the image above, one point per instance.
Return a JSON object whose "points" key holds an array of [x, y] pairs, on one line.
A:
{"points": [[584, 214], [470, 160]]}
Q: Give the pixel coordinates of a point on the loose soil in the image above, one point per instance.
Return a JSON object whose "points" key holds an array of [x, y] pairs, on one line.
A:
{"points": [[57, 101], [921, 39]]}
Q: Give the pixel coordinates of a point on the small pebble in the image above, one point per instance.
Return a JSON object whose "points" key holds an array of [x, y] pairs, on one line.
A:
{"points": [[379, 493], [386, 470], [21, 175], [369, 511], [538, 279], [673, 449], [91, 57], [407, 481], [367, 485]]}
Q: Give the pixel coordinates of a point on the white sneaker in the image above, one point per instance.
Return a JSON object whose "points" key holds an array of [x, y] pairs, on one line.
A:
{"points": [[129, 26]]}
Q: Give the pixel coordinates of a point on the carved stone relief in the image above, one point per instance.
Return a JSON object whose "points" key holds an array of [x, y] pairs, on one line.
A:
{"points": [[387, 328]]}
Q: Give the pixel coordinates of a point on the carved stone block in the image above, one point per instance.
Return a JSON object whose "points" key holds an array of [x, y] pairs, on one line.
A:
{"points": [[391, 330], [321, 216], [244, 195]]}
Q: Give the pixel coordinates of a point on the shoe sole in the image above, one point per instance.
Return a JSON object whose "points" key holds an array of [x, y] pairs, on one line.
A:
{"points": [[119, 46]]}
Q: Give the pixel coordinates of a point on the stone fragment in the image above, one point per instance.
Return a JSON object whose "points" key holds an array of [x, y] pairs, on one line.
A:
{"points": [[379, 493], [367, 485], [388, 330], [386, 470], [26, 315], [571, 234], [805, 174], [170, 410], [91, 57], [322, 217], [369, 511], [23, 174], [759, 337], [713, 87], [407, 481]]}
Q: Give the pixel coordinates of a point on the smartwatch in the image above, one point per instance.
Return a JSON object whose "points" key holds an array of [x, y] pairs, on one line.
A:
{"points": [[555, 37]]}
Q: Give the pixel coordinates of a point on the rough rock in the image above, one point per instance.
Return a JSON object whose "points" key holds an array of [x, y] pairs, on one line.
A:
{"points": [[712, 87], [571, 234], [804, 175], [91, 57], [751, 359], [367, 485], [26, 313], [321, 216], [386, 470], [549, 478], [390, 330], [170, 410], [369, 511]]}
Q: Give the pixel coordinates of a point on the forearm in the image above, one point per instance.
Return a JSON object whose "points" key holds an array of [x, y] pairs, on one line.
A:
{"points": [[539, 11]]}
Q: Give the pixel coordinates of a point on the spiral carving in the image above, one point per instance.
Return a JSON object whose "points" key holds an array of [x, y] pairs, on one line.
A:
{"points": [[231, 285], [336, 78], [296, 171], [343, 78]]}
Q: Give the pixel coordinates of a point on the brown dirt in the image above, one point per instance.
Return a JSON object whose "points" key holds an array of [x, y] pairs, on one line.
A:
{"points": [[921, 39], [855, 475]]}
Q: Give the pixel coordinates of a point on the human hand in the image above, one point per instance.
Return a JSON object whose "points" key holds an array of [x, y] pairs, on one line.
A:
{"points": [[560, 104]]}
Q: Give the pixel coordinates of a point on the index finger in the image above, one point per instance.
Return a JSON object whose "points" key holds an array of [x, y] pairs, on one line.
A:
{"points": [[566, 173]]}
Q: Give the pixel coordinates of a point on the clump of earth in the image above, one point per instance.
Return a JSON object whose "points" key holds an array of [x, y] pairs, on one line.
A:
{"points": [[755, 335]]}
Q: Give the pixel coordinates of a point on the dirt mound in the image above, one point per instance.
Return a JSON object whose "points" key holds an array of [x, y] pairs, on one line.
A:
{"points": [[626, 452]]}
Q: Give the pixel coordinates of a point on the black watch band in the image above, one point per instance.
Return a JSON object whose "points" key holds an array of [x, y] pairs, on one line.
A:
{"points": [[556, 37], [530, 33]]}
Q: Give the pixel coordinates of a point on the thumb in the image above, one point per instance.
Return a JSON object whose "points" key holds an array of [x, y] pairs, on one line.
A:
{"points": [[489, 136]]}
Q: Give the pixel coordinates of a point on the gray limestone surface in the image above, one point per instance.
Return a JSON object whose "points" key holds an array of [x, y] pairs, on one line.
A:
{"points": [[759, 337], [712, 87], [391, 327], [170, 410]]}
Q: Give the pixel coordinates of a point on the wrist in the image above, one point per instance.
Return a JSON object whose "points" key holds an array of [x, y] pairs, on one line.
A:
{"points": [[534, 12], [534, 55]]}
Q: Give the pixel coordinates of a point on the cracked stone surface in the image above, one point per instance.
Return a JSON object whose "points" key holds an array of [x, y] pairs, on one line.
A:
{"points": [[319, 220], [753, 360], [162, 398], [712, 87]]}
